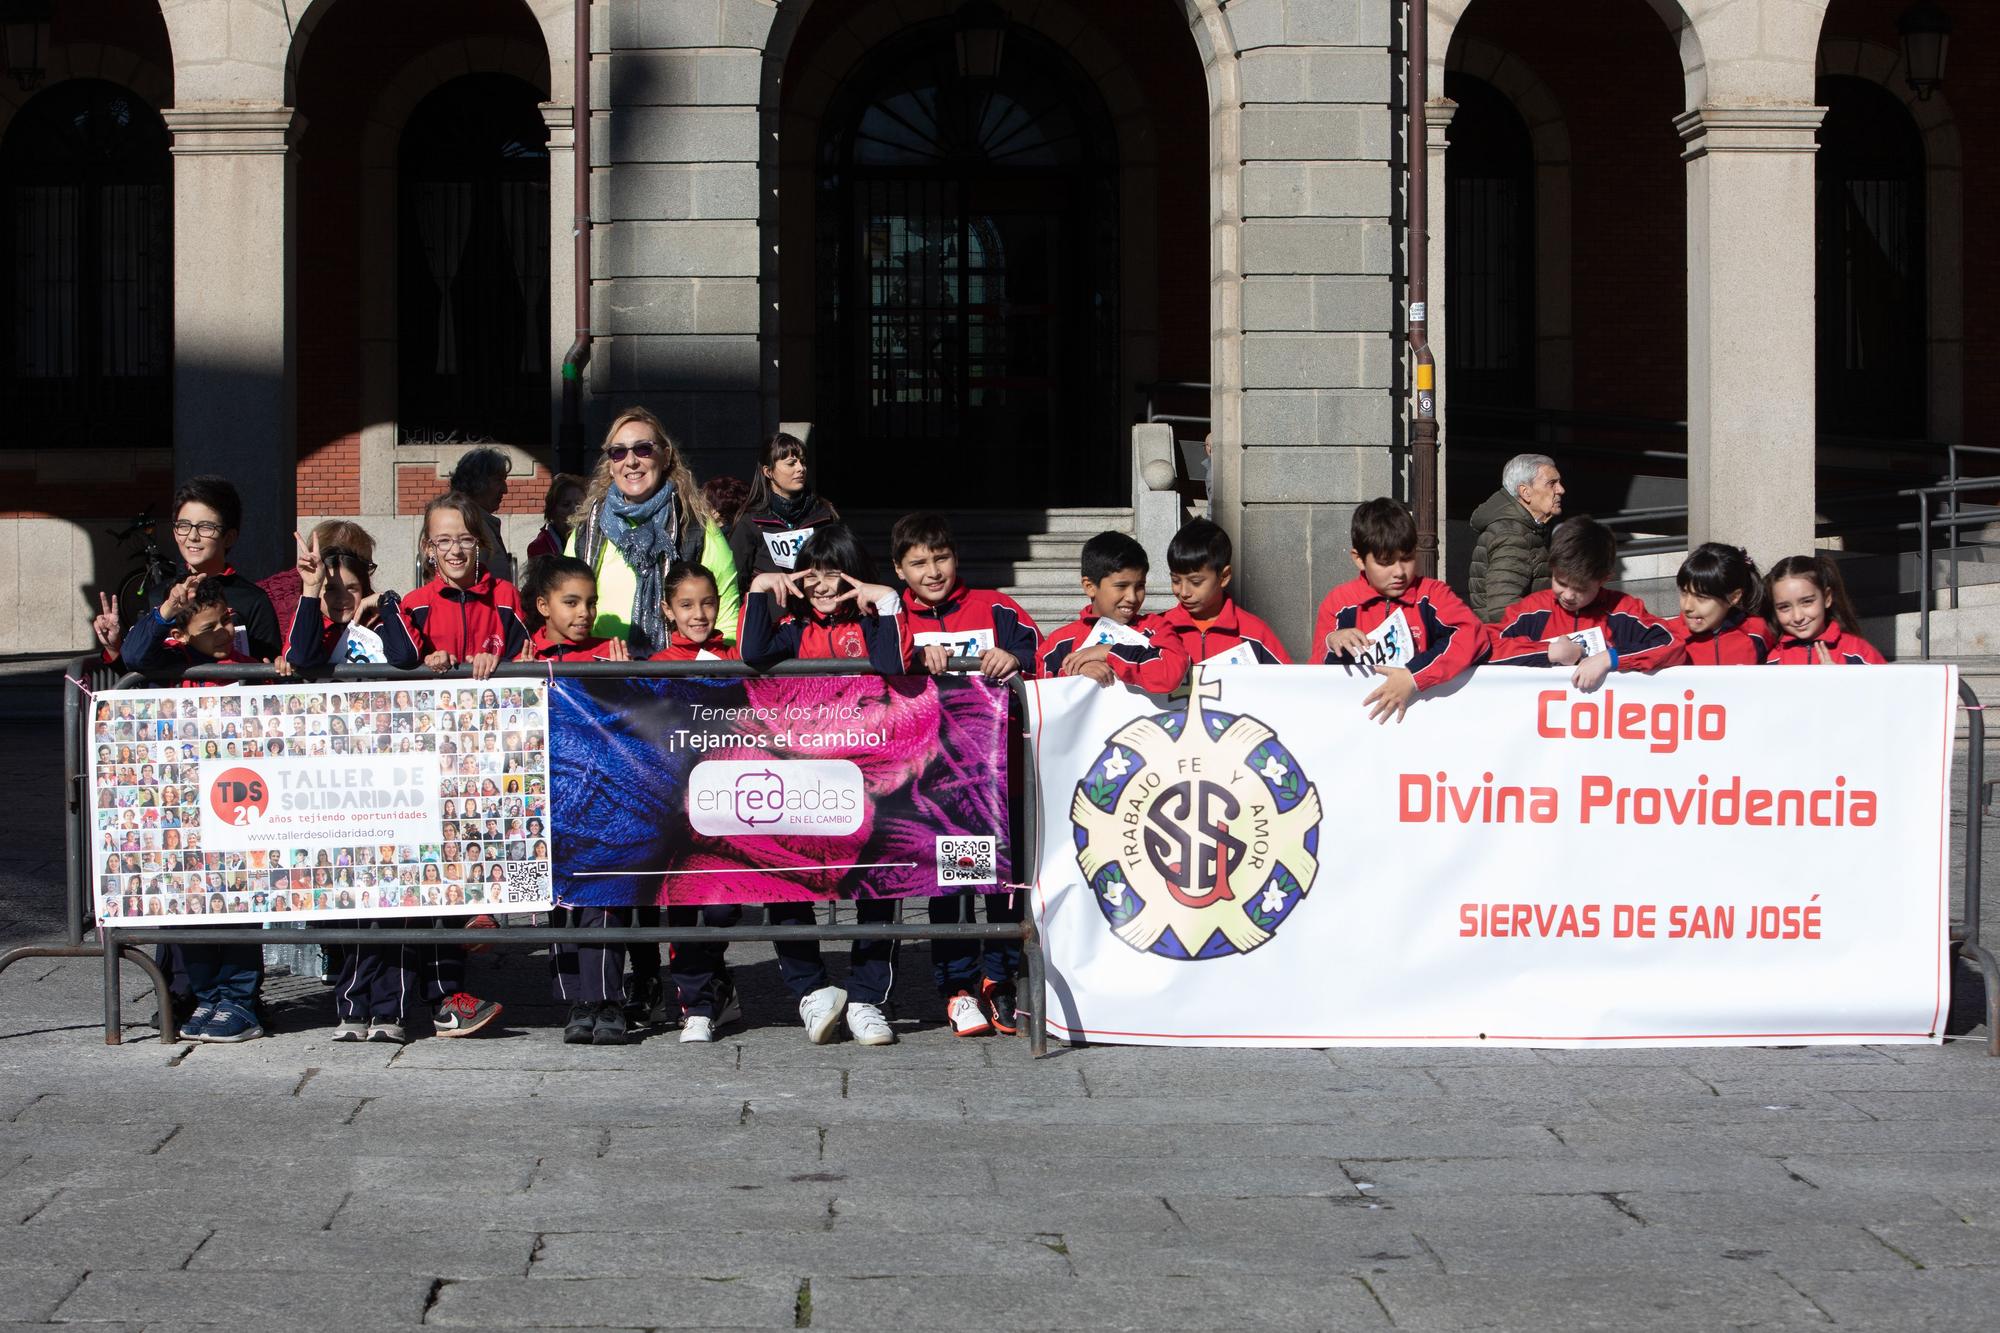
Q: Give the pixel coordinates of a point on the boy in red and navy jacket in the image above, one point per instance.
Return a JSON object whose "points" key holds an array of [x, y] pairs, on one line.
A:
{"points": [[1111, 640], [1204, 617], [948, 619], [566, 600], [1413, 631], [1578, 621]]}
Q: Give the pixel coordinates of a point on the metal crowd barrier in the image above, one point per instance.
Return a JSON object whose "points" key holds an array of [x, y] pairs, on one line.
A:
{"points": [[116, 944]]}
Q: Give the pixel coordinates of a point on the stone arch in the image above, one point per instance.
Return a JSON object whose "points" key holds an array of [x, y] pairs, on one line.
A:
{"points": [[1944, 211], [376, 207], [94, 60], [556, 18], [1680, 20], [1548, 132], [791, 138]]}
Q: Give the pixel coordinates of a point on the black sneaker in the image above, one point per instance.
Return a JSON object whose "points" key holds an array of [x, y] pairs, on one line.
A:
{"points": [[1000, 1003], [608, 1024], [461, 1015], [582, 1022], [648, 1006]]}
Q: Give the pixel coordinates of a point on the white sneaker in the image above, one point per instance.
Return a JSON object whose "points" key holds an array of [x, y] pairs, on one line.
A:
{"points": [[698, 1027], [820, 1012], [351, 1029], [968, 1018], [868, 1025]]}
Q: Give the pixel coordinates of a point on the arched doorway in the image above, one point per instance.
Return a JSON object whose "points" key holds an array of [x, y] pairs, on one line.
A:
{"points": [[967, 278], [473, 257], [1872, 279], [87, 283], [1489, 249]]}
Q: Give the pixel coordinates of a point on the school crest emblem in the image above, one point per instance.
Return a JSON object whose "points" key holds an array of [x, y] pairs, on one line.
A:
{"points": [[1197, 832]]}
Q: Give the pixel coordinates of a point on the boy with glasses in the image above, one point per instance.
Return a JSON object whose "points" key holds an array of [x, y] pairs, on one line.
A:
{"points": [[208, 514]]}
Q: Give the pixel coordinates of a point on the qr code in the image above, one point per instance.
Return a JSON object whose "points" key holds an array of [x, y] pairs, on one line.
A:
{"points": [[527, 881], [965, 861]]}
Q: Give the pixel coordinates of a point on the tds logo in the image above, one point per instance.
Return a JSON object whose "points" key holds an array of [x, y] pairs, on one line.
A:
{"points": [[239, 796], [1197, 832]]}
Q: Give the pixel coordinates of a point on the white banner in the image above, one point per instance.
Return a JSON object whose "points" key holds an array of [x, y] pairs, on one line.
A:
{"points": [[316, 802], [1723, 856]]}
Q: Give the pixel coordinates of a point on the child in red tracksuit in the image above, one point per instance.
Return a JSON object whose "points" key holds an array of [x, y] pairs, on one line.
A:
{"points": [[703, 989], [1412, 631], [464, 616], [566, 601], [1204, 617], [691, 602], [1815, 617], [1578, 621], [833, 608], [947, 620], [1722, 596], [1111, 640]]}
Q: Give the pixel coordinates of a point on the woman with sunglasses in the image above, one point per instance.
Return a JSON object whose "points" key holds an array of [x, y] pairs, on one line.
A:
{"points": [[643, 511]]}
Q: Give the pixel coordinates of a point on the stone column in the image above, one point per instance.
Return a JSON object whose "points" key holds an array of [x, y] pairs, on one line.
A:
{"points": [[233, 301], [1437, 125], [1751, 426]]}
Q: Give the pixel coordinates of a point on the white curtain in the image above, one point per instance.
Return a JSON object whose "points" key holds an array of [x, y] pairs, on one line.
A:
{"points": [[525, 212], [444, 220]]}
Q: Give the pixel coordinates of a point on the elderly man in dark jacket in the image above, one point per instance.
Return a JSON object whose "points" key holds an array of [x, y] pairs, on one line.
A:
{"points": [[1511, 556]]}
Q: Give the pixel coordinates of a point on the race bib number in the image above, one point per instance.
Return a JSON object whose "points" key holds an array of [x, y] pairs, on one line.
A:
{"points": [[1590, 640], [784, 546], [1389, 643], [961, 643], [704, 655], [358, 645], [1241, 655], [1111, 632]]}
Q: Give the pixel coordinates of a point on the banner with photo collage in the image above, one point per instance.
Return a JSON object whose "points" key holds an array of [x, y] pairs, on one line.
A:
{"points": [[316, 802]]}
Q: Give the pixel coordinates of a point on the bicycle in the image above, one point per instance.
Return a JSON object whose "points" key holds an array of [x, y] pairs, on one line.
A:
{"points": [[152, 567]]}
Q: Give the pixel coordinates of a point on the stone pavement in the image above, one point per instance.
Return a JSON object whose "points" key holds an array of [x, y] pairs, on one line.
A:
{"points": [[508, 1181]]}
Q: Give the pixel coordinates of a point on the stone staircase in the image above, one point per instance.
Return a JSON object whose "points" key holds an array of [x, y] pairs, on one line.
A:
{"points": [[1031, 555]]}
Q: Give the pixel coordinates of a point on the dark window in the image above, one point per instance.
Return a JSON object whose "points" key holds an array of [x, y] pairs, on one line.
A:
{"points": [[1873, 311], [89, 271], [473, 310], [1489, 250], [968, 280]]}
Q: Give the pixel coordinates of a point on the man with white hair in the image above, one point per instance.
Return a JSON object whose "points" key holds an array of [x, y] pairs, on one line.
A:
{"points": [[1510, 559]]}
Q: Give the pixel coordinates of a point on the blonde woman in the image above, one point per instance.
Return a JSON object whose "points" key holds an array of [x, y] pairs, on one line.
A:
{"points": [[643, 511]]}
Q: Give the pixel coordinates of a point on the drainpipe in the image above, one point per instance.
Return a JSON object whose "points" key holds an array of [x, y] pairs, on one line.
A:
{"points": [[569, 443], [1424, 428]]}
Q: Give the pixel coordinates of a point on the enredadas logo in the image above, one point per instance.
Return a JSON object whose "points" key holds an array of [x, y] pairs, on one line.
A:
{"points": [[239, 796]]}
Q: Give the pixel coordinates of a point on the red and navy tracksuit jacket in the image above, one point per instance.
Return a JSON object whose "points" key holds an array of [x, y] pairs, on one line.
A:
{"points": [[543, 648], [1232, 627], [970, 620], [880, 637], [1638, 639], [441, 617], [1739, 641], [1847, 649], [680, 648], [1157, 667], [311, 639], [1447, 638], [149, 646]]}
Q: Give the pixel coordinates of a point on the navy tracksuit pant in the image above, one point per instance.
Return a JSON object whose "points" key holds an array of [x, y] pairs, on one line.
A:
{"points": [[695, 965], [594, 973], [872, 963], [960, 965]]}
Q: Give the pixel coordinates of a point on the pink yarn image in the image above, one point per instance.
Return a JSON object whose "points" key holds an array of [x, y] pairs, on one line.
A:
{"points": [[890, 730]]}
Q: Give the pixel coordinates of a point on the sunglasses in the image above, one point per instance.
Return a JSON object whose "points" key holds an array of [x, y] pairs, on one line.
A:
{"points": [[616, 452]]}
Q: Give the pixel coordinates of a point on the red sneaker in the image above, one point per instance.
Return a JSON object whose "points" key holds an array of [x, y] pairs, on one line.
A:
{"points": [[461, 1015], [967, 1015]]}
